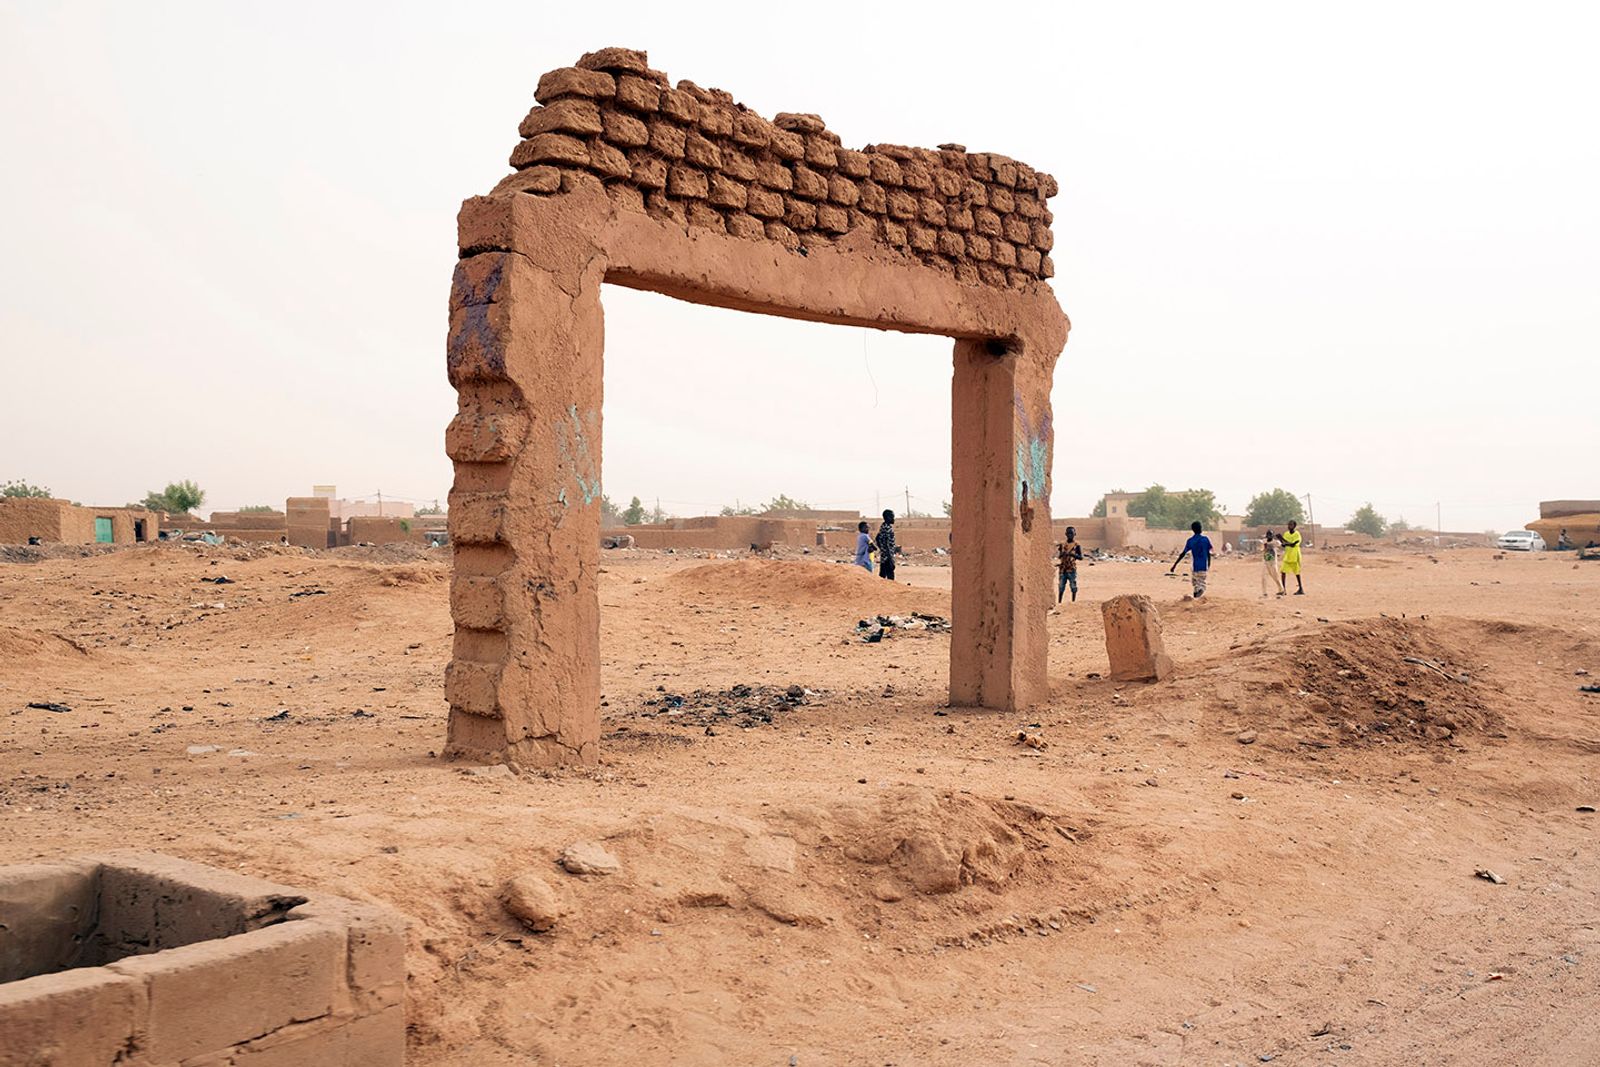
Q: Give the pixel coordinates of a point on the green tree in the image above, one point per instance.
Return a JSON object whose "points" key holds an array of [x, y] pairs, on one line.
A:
{"points": [[609, 515], [1165, 510], [730, 510], [22, 488], [947, 511], [1275, 507], [177, 498], [784, 502], [1367, 521], [256, 509], [635, 513], [1399, 525], [431, 509]]}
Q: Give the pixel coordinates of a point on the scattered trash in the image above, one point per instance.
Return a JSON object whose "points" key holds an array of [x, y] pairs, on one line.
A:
{"points": [[282, 715], [873, 631], [745, 706], [308, 592], [1086, 987], [221, 579], [49, 705], [1489, 876], [1586, 808], [1589, 688], [1034, 741]]}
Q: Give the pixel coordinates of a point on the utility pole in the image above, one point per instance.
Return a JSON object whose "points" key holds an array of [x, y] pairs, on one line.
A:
{"points": [[380, 503], [1311, 516], [1438, 523], [908, 501]]}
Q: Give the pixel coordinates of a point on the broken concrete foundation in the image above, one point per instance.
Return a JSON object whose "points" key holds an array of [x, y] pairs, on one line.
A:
{"points": [[144, 959], [1133, 639]]}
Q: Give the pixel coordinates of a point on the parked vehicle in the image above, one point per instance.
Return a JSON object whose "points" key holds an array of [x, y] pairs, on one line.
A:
{"points": [[1521, 541]]}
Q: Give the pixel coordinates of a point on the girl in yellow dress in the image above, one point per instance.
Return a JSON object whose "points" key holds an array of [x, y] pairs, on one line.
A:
{"points": [[1290, 540]]}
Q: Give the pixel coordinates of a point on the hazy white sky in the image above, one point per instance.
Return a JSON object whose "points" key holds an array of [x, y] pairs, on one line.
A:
{"points": [[1353, 251]]}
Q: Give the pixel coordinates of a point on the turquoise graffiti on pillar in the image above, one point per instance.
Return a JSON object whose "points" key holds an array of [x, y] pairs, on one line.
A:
{"points": [[1033, 456], [575, 435]]}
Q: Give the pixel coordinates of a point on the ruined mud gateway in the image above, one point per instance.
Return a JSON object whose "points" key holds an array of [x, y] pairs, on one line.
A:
{"points": [[623, 178]]}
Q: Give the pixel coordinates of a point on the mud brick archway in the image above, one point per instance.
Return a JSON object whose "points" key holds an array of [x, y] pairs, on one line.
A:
{"points": [[623, 178]]}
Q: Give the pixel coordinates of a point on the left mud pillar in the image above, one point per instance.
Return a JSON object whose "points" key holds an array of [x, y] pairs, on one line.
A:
{"points": [[525, 356]]}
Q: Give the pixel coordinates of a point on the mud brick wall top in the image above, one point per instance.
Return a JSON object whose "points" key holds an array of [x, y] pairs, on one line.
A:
{"points": [[696, 157]]}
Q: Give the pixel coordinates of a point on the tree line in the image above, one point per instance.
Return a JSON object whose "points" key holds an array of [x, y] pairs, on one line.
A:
{"points": [[1165, 509]]}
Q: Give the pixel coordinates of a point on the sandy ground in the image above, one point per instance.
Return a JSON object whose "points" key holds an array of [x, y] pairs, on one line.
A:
{"points": [[860, 875]]}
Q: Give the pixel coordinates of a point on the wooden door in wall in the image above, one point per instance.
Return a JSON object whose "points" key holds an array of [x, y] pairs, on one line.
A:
{"points": [[102, 531]]}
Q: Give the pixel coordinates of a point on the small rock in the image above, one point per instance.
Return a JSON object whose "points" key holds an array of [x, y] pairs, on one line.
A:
{"points": [[530, 900], [1246, 737], [493, 770], [1237, 796], [586, 857], [202, 750], [1585, 807], [241, 752]]}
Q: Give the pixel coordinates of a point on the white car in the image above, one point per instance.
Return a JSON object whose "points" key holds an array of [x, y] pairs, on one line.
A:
{"points": [[1521, 541]]}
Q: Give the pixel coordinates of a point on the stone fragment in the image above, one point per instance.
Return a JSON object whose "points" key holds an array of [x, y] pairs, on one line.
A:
{"points": [[1133, 632], [588, 857], [529, 899]]}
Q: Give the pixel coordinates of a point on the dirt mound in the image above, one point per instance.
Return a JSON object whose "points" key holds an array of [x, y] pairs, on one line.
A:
{"points": [[32, 648], [794, 582], [932, 843], [1369, 681]]}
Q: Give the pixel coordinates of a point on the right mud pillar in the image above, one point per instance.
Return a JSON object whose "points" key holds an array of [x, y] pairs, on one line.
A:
{"points": [[1001, 444]]}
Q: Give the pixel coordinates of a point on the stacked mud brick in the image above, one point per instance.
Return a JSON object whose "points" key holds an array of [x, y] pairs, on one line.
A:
{"points": [[696, 157]]}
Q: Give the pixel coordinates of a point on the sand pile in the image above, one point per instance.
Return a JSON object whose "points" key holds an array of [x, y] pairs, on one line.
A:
{"points": [[1369, 681], [796, 582]]}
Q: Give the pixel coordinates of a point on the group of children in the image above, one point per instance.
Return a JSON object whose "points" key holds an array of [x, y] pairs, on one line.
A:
{"points": [[883, 544], [1274, 573]]}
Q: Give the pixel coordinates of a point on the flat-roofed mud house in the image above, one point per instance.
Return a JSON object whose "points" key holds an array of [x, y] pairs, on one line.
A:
{"points": [[60, 521]]}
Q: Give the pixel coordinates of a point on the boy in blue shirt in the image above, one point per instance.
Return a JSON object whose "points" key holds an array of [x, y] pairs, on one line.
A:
{"points": [[1198, 546], [863, 547]]}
